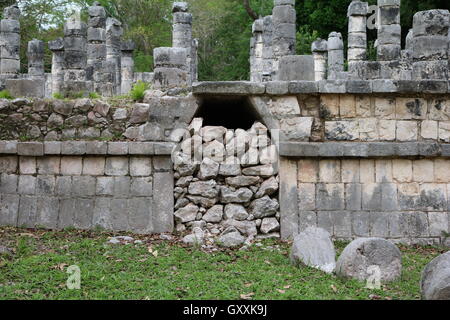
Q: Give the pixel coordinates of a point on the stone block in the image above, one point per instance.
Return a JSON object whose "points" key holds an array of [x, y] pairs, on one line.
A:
{"points": [[117, 148], [83, 186], [94, 166], [330, 196], [438, 223], [308, 171], [27, 165], [34, 88], [122, 186], [442, 170], [140, 166], [163, 203], [30, 149], [71, 165], [27, 216], [307, 196], [9, 209], [361, 224], [84, 211], [353, 196], [407, 131], [105, 186], [73, 147], [329, 171], [423, 170], [296, 68], [429, 129], [117, 166]]}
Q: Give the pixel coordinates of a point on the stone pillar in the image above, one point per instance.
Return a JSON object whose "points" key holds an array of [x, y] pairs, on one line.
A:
{"points": [[10, 41], [319, 49], [357, 37], [170, 68], [389, 30], [182, 36], [268, 58], [35, 56], [114, 33], [75, 56], [256, 51], [431, 45], [284, 31], [335, 55], [57, 47], [96, 47], [127, 65]]}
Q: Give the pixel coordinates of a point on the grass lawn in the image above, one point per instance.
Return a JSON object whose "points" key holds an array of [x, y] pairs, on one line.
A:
{"points": [[37, 270]]}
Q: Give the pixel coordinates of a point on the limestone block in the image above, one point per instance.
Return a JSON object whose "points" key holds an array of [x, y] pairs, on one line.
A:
{"points": [[387, 130], [308, 170], [444, 131], [442, 170], [329, 171], [402, 170], [342, 130], [407, 130], [296, 128], [307, 196], [435, 282], [330, 196], [94, 166], [296, 68], [116, 166], [431, 23], [429, 129]]}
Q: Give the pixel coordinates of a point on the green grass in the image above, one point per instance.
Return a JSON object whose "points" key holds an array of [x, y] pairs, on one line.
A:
{"points": [[5, 94], [137, 93], [37, 270]]}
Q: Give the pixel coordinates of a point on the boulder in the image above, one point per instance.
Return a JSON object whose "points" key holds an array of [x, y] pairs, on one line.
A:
{"points": [[211, 133], [435, 282], [266, 170], [209, 169], [264, 207], [203, 188], [245, 227], [196, 238], [269, 225], [242, 195], [268, 188], [313, 247], [186, 214], [235, 211], [362, 253], [214, 215], [231, 239]]}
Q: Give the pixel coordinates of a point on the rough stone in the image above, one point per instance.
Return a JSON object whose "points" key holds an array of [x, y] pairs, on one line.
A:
{"points": [[313, 247], [435, 282], [362, 253]]}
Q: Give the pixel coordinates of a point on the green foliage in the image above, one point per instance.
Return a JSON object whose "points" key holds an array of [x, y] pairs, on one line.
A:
{"points": [[305, 38], [142, 62], [58, 95], [94, 95], [137, 93], [5, 94]]}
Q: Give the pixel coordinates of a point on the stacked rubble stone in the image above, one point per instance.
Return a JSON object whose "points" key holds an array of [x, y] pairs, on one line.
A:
{"points": [[226, 184]]}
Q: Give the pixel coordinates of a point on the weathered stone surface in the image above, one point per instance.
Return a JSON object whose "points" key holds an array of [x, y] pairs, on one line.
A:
{"points": [[208, 169], [264, 207], [242, 181], [313, 247], [263, 171], [231, 239], [186, 214], [204, 188], [196, 238], [362, 253], [235, 211], [214, 215], [435, 282], [242, 195], [269, 225], [268, 188]]}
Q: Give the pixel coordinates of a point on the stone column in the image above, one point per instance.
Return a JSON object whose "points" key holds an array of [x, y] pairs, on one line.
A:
{"points": [[10, 41], [57, 47], [170, 68], [357, 37], [75, 56], [127, 65], [182, 35], [431, 45], [267, 54], [35, 56], [284, 31], [389, 30], [96, 47], [256, 51], [114, 33], [319, 49], [335, 55]]}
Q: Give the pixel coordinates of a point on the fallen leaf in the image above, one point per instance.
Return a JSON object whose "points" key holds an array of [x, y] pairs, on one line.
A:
{"points": [[334, 288], [281, 291], [267, 261], [248, 285], [287, 287], [247, 296]]}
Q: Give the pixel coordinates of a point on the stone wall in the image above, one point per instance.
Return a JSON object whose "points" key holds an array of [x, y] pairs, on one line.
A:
{"points": [[402, 199], [116, 186], [227, 181]]}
